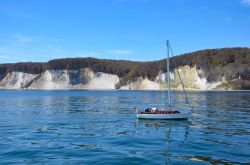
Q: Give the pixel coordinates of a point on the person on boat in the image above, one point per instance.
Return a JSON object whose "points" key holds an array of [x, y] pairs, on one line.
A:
{"points": [[151, 110]]}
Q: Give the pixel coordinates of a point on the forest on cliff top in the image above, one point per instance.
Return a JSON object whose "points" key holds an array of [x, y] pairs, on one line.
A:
{"points": [[228, 62]]}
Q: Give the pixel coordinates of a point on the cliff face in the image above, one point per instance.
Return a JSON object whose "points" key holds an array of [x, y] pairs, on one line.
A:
{"points": [[87, 79], [16, 80], [205, 70], [74, 79]]}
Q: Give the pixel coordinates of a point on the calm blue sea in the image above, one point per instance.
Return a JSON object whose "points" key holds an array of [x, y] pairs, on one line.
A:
{"points": [[100, 127]]}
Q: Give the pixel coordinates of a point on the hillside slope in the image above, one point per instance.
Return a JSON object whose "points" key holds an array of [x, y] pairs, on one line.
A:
{"points": [[227, 68]]}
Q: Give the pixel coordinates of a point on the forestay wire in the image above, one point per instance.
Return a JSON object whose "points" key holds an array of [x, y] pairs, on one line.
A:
{"points": [[186, 97]]}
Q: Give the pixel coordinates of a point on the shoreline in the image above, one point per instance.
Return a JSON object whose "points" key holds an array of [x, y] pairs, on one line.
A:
{"points": [[178, 90]]}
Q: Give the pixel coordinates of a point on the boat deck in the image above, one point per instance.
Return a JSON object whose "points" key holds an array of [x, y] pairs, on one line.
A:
{"points": [[161, 112]]}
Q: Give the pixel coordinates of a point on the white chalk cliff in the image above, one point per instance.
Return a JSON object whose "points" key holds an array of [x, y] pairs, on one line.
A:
{"points": [[16, 80], [87, 79]]}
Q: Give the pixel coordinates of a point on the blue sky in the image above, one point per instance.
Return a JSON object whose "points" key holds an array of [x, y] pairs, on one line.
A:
{"points": [[41, 30]]}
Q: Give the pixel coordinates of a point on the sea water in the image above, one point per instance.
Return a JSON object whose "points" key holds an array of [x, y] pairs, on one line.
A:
{"points": [[100, 127]]}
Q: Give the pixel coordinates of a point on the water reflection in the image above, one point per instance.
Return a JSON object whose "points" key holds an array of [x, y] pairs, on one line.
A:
{"points": [[174, 135], [159, 124], [93, 126]]}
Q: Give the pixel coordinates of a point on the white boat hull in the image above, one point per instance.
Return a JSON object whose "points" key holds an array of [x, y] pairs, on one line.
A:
{"points": [[178, 116]]}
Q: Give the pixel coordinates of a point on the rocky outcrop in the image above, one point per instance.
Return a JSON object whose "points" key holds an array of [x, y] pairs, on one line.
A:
{"points": [[143, 84], [194, 78], [74, 79], [16, 80]]}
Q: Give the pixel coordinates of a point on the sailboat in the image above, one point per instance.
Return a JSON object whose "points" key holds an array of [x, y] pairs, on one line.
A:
{"points": [[170, 113]]}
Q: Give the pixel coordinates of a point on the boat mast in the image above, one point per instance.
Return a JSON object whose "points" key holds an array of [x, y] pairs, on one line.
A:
{"points": [[169, 92]]}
